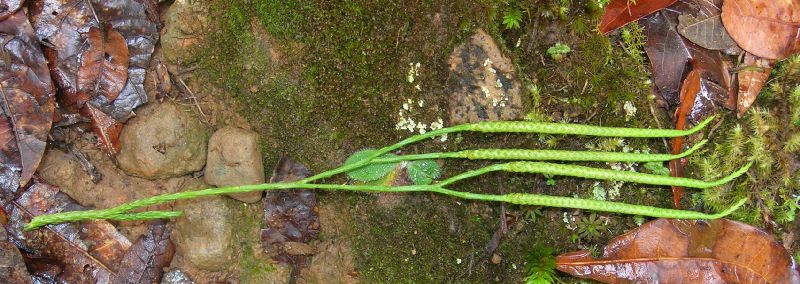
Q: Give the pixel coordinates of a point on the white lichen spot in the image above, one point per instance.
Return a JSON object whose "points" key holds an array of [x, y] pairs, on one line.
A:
{"points": [[421, 103], [498, 83], [598, 192], [630, 110], [519, 42], [487, 62], [405, 106], [485, 91], [418, 87], [458, 260], [413, 72], [443, 138]]}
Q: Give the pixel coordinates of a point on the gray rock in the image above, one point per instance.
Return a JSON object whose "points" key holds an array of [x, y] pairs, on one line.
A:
{"points": [[483, 83], [204, 233], [176, 276], [186, 22], [234, 158], [165, 143]]}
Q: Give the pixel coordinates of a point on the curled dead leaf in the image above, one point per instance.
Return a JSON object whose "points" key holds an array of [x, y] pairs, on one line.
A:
{"points": [[687, 251], [104, 64]]}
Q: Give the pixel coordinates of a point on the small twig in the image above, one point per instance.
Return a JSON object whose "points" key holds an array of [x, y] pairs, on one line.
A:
{"points": [[194, 98], [87, 166]]}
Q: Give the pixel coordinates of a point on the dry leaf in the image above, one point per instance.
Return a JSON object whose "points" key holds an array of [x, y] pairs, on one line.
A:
{"points": [[145, 260], [751, 81], [765, 28], [687, 251]]}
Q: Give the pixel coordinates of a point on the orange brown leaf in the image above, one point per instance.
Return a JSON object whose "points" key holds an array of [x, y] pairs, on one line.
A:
{"points": [[687, 251], [765, 28], [751, 81]]}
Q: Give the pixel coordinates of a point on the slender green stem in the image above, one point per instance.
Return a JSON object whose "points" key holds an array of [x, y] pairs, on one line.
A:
{"points": [[543, 155], [125, 211]]}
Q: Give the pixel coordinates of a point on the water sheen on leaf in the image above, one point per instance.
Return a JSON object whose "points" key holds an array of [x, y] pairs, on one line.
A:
{"points": [[369, 172], [423, 172], [686, 251]]}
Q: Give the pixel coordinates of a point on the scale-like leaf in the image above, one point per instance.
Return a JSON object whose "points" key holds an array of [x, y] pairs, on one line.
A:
{"points": [[687, 251], [369, 172], [423, 171]]}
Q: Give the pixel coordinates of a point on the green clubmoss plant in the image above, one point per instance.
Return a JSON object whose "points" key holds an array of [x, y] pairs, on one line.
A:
{"points": [[373, 164]]}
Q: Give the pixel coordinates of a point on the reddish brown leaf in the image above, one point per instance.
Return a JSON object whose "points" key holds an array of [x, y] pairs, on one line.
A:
{"points": [[751, 80], [64, 27], [105, 127], [291, 215], [104, 65], [668, 53], [765, 28], [620, 12], [687, 251], [9, 7], [689, 92], [145, 260], [85, 252], [26, 92]]}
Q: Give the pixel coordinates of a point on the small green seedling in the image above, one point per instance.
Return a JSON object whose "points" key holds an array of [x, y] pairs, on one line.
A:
{"points": [[558, 51], [512, 19], [370, 165]]}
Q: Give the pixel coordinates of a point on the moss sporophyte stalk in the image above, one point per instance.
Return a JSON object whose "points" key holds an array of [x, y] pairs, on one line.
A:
{"points": [[372, 164]]}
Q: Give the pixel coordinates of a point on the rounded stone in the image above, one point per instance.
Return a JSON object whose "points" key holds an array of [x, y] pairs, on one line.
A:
{"points": [[167, 142], [204, 232], [234, 158]]}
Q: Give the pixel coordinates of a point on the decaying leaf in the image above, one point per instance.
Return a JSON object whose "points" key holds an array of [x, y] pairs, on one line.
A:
{"points": [[687, 251], [9, 7], [104, 64], [81, 252], [751, 80], [84, 252], [765, 28], [26, 93], [671, 56], [146, 258], [620, 12], [64, 26], [705, 28], [292, 217], [105, 127]]}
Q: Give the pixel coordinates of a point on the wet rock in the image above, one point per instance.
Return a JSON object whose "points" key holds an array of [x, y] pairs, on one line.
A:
{"points": [[204, 233], [332, 264], [165, 143], [483, 82], [234, 158], [176, 276], [186, 23]]}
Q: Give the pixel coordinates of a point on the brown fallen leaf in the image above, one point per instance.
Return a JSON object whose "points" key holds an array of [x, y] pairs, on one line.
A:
{"points": [[765, 28], [105, 127], [704, 26], [620, 12], [291, 216], [26, 92], [81, 252], [146, 258], [751, 81], [85, 252], [687, 251], [104, 64]]}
